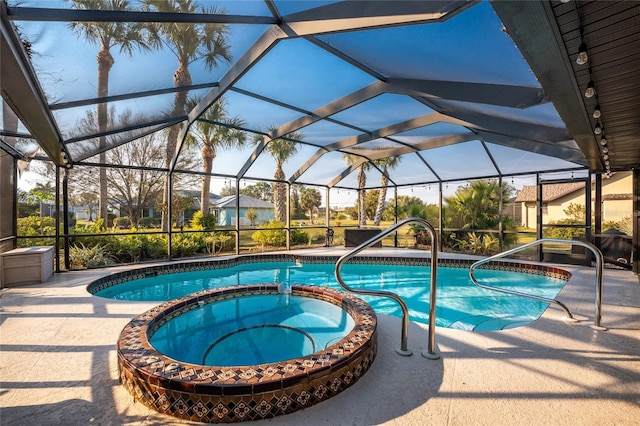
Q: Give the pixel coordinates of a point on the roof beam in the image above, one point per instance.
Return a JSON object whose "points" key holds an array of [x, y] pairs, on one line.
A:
{"points": [[533, 28], [358, 15], [484, 93], [260, 48], [101, 15], [550, 149]]}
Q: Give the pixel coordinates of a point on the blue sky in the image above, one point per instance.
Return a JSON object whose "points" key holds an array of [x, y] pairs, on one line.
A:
{"points": [[471, 47]]}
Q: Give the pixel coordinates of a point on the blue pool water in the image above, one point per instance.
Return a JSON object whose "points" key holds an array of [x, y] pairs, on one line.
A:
{"points": [[252, 330], [460, 304]]}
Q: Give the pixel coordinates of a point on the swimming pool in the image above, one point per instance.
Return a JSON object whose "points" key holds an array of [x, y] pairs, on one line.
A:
{"points": [[460, 304]]}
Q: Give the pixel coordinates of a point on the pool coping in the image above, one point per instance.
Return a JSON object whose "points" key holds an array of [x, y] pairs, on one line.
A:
{"points": [[201, 265], [217, 394]]}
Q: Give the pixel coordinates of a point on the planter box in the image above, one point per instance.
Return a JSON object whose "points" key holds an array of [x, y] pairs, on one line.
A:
{"points": [[23, 266], [355, 237]]}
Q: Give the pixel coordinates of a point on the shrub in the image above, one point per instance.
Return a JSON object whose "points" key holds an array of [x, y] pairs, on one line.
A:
{"points": [[299, 237], [146, 222], [202, 221], [122, 222], [83, 257], [477, 244], [184, 245], [625, 225], [274, 236], [217, 242], [564, 233], [134, 248], [34, 225]]}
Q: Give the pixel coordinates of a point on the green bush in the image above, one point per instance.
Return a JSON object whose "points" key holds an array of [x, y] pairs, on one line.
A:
{"points": [[477, 244], [564, 233], [299, 237], [274, 236], [83, 257], [217, 242], [185, 245], [202, 221], [34, 225], [122, 222], [138, 247], [146, 222], [625, 225]]}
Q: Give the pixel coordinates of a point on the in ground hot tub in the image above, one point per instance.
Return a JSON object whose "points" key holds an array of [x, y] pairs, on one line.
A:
{"points": [[247, 352]]}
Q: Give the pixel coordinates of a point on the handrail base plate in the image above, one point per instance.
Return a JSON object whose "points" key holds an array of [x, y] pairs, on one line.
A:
{"points": [[432, 356]]}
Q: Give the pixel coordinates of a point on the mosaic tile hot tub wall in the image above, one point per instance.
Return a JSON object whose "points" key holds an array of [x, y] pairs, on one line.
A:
{"points": [[233, 394]]}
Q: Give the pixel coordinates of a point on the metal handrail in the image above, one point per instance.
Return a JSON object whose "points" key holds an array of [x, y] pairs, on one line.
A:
{"points": [[431, 354], [599, 268]]}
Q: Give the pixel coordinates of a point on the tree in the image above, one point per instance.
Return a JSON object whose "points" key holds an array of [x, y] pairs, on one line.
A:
{"points": [[228, 189], [476, 206], [136, 188], [386, 164], [310, 200], [128, 36], [211, 137], [43, 193], [261, 191], [294, 203], [252, 216], [371, 202], [181, 203], [189, 42], [281, 149], [88, 199], [362, 184]]}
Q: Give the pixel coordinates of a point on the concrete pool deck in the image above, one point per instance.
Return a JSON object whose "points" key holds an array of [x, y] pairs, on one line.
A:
{"points": [[58, 363]]}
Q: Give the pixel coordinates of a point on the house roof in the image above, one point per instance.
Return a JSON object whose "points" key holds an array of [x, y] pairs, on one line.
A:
{"points": [[245, 201], [549, 192], [554, 191], [195, 193]]}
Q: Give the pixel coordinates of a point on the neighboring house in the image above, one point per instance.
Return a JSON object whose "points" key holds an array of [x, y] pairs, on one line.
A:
{"points": [[195, 195], [225, 210], [82, 212], [616, 199]]}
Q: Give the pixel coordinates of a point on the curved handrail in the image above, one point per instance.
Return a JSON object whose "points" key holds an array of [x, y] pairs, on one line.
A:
{"points": [[599, 268], [383, 293]]}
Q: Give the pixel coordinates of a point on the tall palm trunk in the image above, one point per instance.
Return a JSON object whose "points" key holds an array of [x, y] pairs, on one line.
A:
{"points": [[182, 77], [207, 158], [105, 62], [384, 180], [362, 193], [280, 194]]}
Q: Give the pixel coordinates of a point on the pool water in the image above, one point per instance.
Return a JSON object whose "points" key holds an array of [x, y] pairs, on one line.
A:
{"points": [[460, 304], [251, 330]]}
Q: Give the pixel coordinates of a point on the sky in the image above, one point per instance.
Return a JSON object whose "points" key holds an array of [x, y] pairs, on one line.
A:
{"points": [[67, 69]]}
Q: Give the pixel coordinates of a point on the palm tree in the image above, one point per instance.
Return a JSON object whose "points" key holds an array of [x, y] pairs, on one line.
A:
{"points": [[189, 42], [386, 163], [212, 137], [128, 36], [477, 205], [281, 149], [362, 183]]}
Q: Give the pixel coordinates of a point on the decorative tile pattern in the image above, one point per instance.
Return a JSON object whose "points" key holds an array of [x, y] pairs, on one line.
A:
{"points": [[216, 394]]}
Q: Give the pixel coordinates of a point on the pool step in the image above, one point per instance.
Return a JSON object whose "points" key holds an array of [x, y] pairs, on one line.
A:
{"points": [[487, 323]]}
